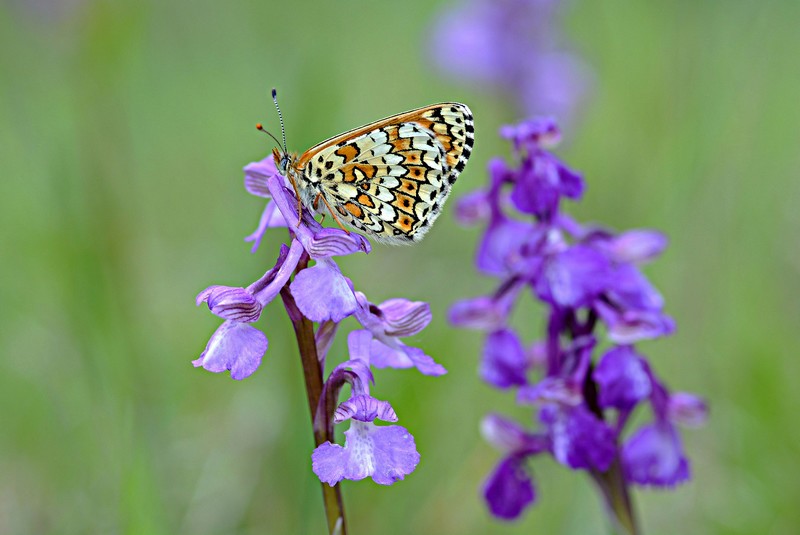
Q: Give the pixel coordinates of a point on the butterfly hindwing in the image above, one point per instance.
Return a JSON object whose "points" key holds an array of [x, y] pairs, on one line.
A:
{"points": [[391, 178]]}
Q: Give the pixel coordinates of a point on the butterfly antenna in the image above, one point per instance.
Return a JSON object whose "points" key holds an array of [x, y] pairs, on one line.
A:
{"points": [[259, 126], [280, 117]]}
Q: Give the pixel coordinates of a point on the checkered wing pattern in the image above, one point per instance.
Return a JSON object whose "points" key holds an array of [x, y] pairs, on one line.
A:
{"points": [[390, 179]]}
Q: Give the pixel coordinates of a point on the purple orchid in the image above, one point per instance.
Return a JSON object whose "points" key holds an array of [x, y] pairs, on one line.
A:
{"points": [[513, 45], [238, 346], [379, 343], [320, 293], [596, 295], [384, 453], [505, 363], [509, 489]]}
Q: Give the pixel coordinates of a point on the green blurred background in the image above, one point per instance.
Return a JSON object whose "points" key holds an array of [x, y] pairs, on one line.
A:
{"points": [[123, 130]]}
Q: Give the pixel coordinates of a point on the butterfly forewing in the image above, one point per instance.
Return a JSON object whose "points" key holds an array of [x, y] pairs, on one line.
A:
{"points": [[391, 178]]}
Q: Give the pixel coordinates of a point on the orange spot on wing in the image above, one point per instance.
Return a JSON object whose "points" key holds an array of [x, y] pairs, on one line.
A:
{"points": [[404, 223], [353, 209], [452, 158], [424, 123], [404, 203], [366, 200], [401, 144], [348, 152], [349, 174], [409, 186], [368, 170], [413, 157], [416, 172]]}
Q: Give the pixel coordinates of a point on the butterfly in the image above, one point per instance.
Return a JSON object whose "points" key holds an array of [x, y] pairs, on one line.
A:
{"points": [[388, 179]]}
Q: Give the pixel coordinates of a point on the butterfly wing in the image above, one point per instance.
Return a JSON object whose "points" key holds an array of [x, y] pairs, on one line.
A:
{"points": [[390, 179]]}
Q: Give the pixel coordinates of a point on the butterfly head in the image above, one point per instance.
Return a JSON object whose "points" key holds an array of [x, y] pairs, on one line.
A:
{"points": [[282, 160]]}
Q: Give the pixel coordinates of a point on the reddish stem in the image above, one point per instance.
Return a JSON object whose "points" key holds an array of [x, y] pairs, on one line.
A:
{"points": [[313, 373]]}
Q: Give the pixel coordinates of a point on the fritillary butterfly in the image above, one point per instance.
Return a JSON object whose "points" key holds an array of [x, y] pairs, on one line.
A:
{"points": [[387, 179]]}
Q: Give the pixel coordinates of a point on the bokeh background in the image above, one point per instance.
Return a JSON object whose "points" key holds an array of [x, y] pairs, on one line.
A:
{"points": [[123, 130]]}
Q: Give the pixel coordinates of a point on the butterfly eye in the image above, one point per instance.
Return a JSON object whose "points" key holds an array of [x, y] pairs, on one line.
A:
{"points": [[284, 163]]}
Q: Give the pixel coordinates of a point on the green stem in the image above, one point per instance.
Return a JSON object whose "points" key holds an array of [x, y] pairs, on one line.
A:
{"points": [[617, 499], [312, 371], [611, 483]]}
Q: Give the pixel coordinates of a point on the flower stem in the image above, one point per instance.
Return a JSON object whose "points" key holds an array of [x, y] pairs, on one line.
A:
{"points": [[312, 370], [611, 483], [617, 499]]}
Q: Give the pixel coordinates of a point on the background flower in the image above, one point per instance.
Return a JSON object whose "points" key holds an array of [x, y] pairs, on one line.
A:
{"points": [[584, 277], [514, 45]]}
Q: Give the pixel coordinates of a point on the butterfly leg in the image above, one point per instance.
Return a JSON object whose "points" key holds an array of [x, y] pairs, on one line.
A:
{"points": [[315, 204], [299, 202], [333, 214]]}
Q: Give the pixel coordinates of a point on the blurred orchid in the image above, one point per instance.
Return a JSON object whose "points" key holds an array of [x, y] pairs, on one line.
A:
{"points": [[590, 281]]}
